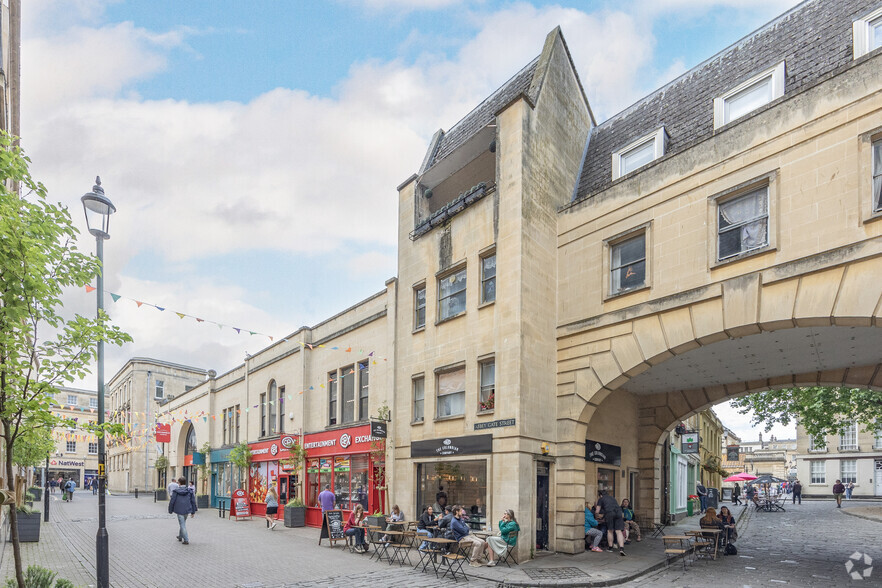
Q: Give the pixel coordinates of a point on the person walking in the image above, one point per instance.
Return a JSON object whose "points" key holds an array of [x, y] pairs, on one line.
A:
{"points": [[272, 507], [182, 503], [797, 492], [70, 486], [702, 495], [327, 500], [94, 485], [838, 491], [736, 494], [172, 486], [848, 490]]}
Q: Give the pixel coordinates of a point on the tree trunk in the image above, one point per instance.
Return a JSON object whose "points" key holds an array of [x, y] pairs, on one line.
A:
{"points": [[13, 515]]}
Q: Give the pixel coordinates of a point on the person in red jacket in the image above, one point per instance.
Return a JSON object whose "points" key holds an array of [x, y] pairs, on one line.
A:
{"points": [[355, 526]]}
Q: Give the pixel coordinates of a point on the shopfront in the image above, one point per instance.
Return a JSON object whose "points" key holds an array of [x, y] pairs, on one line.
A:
{"points": [[454, 481], [608, 460], [70, 469], [352, 462], [263, 473], [225, 477]]}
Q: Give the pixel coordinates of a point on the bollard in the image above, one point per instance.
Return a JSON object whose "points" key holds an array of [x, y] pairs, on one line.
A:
{"points": [[136, 492], [154, 496]]}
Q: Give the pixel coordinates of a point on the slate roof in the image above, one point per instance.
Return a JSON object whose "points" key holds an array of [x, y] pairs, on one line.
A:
{"points": [[814, 39], [484, 113]]}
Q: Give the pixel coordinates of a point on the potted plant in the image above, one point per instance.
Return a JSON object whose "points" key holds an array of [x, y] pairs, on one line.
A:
{"points": [[161, 464], [202, 498], [36, 492], [28, 524], [295, 513], [377, 519]]}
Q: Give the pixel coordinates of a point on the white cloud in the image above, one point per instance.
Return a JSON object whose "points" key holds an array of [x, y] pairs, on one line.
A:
{"points": [[742, 426]]}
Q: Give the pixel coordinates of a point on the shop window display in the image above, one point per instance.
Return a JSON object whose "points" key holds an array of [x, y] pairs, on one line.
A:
{"points": [[261, 475], [464, 482]]}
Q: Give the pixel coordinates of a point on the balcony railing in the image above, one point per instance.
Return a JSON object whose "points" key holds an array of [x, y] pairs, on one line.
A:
{"points": [[849, 447]]}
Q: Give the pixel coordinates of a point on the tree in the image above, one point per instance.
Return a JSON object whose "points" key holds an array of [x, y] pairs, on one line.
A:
{"points": [[40, 349], [820, 410]]}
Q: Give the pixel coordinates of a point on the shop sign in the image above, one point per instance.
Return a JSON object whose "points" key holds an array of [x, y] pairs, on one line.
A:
{"points": [[689, 442], [241, 507], [452, 446], [353, 440], [378, 429], [220, 455], [603, 452], [494, 424], [163, 433], [265, 450], [71, 463], [732, 452]]}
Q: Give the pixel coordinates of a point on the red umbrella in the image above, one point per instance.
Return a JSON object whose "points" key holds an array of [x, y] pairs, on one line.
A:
{"points": [[742, 477]]}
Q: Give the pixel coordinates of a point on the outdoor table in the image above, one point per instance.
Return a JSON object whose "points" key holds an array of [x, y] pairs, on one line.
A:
{"points": [[715, 537]]}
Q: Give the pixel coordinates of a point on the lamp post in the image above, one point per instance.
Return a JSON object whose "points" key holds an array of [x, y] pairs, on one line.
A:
{"points": [[98, 209]]}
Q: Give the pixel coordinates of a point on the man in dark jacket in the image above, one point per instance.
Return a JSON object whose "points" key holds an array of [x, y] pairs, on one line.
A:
{"points": [[797, 492], [838, 491], [182, 503]]}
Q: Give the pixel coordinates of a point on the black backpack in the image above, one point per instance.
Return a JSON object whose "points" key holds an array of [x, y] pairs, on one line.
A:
{"points": [[731, 549]]}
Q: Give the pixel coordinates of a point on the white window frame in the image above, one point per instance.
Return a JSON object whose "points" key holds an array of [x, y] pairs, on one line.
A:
{"points": [[488, 389], [613, 268], [439, 395], [682, 482], [877, 177], [659, 140], [93, 446], [775, 73], [72, 400], [877, 439], [851, 475], [93, 403], [419, 324], [487, 279], [159, 389], [442, 300], [818, 477], [421, 400], [862, 28], [813, 444], [848, 440], [768, 216]]}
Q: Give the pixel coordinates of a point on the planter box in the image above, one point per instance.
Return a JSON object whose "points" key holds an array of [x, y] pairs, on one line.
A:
{"points": [[28, 527], [377, 521], [202, 501], [295, 516], [161, 494], [37, 493]]}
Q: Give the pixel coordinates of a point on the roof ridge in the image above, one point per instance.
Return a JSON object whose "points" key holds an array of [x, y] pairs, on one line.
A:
{"points": [[771, 24]]}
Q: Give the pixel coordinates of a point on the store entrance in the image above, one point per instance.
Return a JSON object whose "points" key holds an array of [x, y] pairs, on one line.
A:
{"points": [[542, 492]]}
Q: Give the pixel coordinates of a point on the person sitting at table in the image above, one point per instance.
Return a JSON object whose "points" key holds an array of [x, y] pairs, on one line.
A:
{"points": [[630, 523], [478, 508], [440, 503], [355, 526], [728, 522], [592, 533], [710, 521], [462, 534], [601, 522], [425, 524], [443, 519], [497, 545], [396, 517]]}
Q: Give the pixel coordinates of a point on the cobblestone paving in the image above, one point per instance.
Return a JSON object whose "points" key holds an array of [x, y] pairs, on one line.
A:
{"points": [[806, 546]]}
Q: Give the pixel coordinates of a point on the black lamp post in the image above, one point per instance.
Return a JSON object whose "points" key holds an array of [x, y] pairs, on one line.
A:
{"points": [[98, 209]]}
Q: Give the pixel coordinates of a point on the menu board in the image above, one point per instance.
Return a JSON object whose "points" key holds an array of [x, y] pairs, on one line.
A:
{"points": [[332, 526], [241, 508]]}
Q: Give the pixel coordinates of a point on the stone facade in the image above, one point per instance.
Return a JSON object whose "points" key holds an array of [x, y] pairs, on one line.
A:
{"points": [[855, 456], [76, 450]]}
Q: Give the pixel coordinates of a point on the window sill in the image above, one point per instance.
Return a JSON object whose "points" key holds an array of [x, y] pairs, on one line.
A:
{"points": [[745, 255], [849, 449], [452, 417], [450, 318], [486, 304], [621, 293], [418, 330], [486, 412], [419, 422], [874, 216]]}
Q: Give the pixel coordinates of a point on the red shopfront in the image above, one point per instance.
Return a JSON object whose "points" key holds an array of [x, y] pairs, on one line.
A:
{"points": [[266, 470], [343, 459]]}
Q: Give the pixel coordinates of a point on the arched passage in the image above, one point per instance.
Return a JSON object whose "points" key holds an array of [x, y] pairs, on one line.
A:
{"points": [[676, 358]]}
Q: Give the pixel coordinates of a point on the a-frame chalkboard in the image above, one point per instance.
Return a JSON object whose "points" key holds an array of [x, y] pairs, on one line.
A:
{"points": [[332, 526]]}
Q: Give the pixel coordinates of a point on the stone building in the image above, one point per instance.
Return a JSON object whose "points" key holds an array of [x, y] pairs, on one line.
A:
{"points": [[569, 292], [854, 456], [775, 457], [134, 396], [76, 451], [710, 448]]}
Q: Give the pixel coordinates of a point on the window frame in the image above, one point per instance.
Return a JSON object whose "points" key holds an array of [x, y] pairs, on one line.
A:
{"points": [[852, 477], [70, 447], [422, 400], [281, 409], [776, 76], [93, 403], [158, 389], [875, 176], [822, 475], [861, 33], [271, 408], [362, 396], [417, 325], [659, 141], [74, 402], [848, 438], [333, 399], [610, 246], [345, 372], [484, 279], [91, 446], [485, 406], [439, 373], [769, 181], [461, 268], [263, 411]]}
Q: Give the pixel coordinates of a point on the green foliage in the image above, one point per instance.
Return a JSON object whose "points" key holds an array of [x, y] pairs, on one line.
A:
{"points": [[296, 456], [39, 577], [240, 455], [820, 410], [296, 502], [32, 446], [161, 463]]}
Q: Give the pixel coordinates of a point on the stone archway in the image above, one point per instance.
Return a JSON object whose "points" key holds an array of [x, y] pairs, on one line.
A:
{"points": [[668, 352]]}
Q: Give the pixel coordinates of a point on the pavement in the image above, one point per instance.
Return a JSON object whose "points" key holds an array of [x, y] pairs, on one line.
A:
{"points": [[808, 545]]}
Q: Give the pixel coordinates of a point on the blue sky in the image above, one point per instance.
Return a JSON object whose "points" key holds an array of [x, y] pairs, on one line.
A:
{"points": [[253, 149]]}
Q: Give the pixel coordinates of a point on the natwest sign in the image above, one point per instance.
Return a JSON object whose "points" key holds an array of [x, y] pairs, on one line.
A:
{"points": [[267, 451], [352, 440]]}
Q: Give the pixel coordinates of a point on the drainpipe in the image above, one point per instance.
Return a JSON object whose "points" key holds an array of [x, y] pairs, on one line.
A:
{"points": [[147, 435], [247, 397]]}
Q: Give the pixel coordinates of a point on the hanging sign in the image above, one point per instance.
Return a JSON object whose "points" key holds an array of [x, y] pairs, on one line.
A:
{"points": [[241, 508], [689, 442], [163, 433], [732, 452], [378, 429]]}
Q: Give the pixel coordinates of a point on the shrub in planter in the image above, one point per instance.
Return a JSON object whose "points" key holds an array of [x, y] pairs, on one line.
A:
{"points": [[28, 525], [161, 494], [377, 519], [202, 501], [295, 513], [39, 577], [36, 492]]}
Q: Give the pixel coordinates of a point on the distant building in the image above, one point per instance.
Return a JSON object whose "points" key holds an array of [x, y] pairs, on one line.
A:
{"points": [[775, 457], [854, 456], [76, 450]]}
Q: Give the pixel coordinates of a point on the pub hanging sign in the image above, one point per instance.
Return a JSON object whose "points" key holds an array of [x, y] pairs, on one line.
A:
{"points": [[689, 442], [603, 452]]}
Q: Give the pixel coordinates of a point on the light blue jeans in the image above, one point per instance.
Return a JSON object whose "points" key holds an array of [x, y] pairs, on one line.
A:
{"points": [[424, 532], [182, 532]]}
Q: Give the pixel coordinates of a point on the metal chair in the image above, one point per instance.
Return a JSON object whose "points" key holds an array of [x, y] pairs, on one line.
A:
{"points": [[455, 560], [509, 554]]}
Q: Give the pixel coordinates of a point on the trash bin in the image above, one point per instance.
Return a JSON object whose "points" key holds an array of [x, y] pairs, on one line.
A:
{"points": [[689, 510]]}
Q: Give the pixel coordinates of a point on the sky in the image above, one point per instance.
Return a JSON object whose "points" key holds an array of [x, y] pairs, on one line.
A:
{"points": [[253, 149]]}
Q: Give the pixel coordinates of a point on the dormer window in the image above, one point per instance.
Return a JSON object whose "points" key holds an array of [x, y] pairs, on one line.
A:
{"points": [[868, 33], [639, 153], [749, 95]]}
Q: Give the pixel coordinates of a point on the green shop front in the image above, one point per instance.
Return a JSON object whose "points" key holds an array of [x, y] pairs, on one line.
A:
{"points": [[225, 477]]}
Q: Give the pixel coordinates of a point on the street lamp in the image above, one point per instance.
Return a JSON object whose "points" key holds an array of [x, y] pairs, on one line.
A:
{"points": [[98, 209]]}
